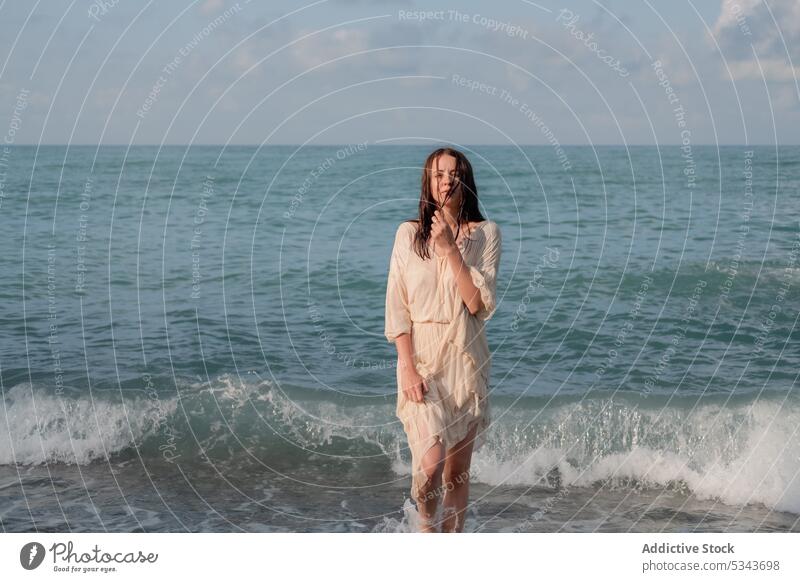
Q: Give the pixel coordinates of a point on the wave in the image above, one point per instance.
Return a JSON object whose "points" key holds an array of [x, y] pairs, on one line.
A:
{"points": [[736, 450]]}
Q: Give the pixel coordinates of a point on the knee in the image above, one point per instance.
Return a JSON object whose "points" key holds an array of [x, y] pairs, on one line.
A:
{"points": [[433, 472], [456, 474], [433, 461], [429, 489]]}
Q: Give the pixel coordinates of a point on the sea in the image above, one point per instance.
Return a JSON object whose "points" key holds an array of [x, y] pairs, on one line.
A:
{"points": [[192, 338]]}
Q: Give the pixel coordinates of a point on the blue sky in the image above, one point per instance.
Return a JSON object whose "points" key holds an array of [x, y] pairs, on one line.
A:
{"points": [[348, 71]]}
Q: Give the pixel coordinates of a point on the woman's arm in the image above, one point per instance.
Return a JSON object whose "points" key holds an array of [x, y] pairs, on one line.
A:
{"points": [[470, 294], [398, 328], [411, 383], [403, 345], [443, 236]]}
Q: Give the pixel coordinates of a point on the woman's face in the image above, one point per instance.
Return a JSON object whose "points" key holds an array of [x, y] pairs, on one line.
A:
{"points": [[443, 182]]}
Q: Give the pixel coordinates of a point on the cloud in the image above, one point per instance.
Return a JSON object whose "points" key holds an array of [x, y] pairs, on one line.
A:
{"points": [[771, 30], [321, 47], [211, 6]]}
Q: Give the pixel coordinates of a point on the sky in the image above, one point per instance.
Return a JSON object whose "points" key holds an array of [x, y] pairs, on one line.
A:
{"points": [[350, 71]]}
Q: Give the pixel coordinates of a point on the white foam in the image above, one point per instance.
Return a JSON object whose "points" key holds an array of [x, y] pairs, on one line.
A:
{"points": [[743, 454], [38, 427]]}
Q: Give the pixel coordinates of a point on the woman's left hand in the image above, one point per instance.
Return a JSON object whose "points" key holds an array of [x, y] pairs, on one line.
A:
{"points": [[441, 234]]}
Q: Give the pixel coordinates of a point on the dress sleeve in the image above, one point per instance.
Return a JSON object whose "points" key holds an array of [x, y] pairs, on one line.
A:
{"points": [[484, 274], [398, 316]]}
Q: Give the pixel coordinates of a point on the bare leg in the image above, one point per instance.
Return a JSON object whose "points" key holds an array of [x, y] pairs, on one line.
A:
{"points": [[456, 483], [432, 465]]}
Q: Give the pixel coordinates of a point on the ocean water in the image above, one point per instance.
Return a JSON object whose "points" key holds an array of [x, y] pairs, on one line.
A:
{"points": [[192, 339]]}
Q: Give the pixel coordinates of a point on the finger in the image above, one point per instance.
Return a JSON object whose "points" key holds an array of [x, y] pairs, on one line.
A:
{"points": [[424, 386]]}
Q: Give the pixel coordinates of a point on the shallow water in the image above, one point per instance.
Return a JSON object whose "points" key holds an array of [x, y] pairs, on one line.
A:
{"points": [[193, 340]]}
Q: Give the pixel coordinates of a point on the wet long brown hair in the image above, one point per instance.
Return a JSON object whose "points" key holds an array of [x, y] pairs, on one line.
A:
{"points": [[468, 210]]}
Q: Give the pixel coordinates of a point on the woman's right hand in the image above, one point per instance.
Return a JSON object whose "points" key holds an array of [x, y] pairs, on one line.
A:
{"points": [[414, 385]]}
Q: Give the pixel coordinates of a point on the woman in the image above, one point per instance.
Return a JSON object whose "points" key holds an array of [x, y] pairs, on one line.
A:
{"points": [[441, 290]]}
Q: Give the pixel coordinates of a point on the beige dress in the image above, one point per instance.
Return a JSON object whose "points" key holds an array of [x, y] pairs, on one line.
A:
{"points": [[449, 344]]}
